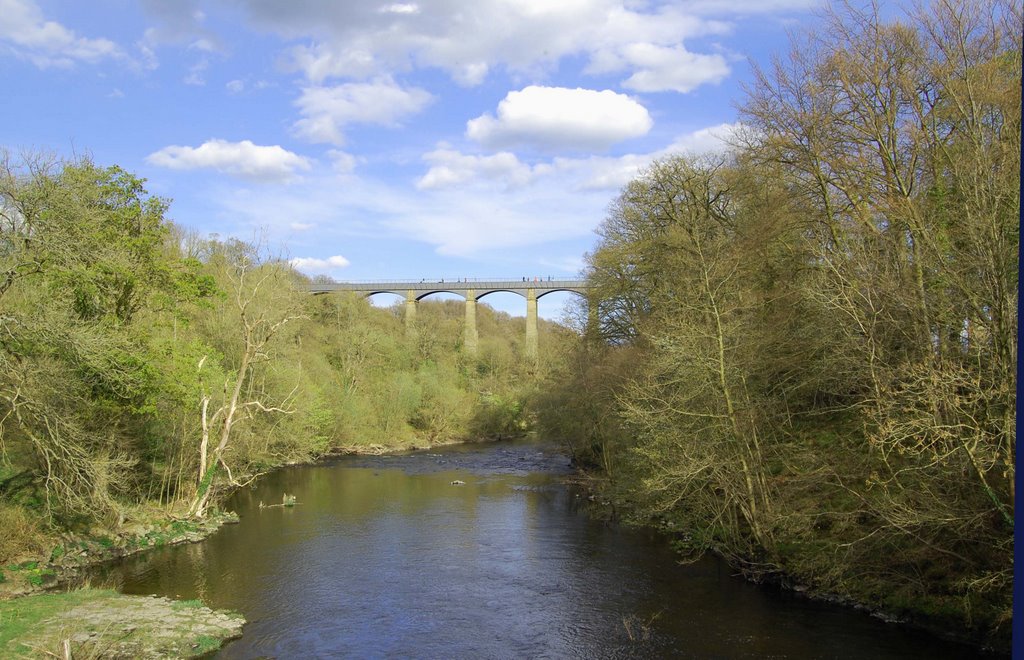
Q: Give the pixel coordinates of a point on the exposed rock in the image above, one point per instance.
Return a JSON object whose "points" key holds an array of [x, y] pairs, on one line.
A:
{"points": [[112, 625]]}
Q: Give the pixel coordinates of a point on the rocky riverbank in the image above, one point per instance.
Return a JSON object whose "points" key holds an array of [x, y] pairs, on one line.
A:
{"points": [[103, 623], [36, 620]]}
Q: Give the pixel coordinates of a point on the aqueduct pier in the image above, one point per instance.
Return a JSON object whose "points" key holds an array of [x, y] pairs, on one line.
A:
{"points": [[470, 289]]}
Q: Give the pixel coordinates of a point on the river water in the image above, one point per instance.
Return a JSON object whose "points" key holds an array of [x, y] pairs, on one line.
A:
{"points": [[386, 557]]}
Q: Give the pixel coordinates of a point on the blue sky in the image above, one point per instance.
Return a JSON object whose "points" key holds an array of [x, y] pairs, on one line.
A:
{"points": [[376, 139]]}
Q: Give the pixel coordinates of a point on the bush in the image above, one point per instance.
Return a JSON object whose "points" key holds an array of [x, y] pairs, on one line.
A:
{"points": [[23, 534]]}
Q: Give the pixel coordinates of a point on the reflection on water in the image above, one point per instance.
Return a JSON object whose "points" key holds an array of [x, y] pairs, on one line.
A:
{"points": [[385, 557]]}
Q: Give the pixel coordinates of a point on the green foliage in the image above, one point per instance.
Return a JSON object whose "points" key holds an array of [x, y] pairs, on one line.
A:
{"points": [[37, 577], [205, 644], [125, 341], [499, 417], [32, 572]]}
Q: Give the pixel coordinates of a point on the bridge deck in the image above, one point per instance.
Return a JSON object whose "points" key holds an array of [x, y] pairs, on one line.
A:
{"points": [[458, 285]]}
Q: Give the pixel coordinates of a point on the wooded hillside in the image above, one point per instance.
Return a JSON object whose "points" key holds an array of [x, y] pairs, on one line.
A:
{"points": [[807, 347], [144, 370]]}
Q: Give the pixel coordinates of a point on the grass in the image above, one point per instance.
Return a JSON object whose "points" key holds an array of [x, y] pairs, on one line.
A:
{"points": [[20, 616], [205, 644], [94, 623]]}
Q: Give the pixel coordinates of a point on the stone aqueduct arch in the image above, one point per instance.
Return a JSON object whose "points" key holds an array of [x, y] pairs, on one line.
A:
{"points": [[470, 289]]}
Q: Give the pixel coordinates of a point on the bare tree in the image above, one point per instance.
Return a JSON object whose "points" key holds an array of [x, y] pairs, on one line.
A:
{"points": [[263, 302]]}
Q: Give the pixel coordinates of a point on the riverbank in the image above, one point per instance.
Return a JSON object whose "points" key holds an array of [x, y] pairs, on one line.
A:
{"points": [[103, 623], [68, 554], [72, 553], [37, 620], [375, 449], [605, 502]]}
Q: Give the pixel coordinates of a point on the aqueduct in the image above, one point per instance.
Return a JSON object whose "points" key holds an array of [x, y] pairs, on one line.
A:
{"points": [[470, 289]]}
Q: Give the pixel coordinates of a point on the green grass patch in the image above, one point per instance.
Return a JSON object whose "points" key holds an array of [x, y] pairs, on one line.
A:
{"points": [[206, 644], [194, 603], [24, 566], [38, 576], [21, 616], [183, 527]]}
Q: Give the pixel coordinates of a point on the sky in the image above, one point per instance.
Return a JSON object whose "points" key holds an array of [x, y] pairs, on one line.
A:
{"points": [[366, 139]]}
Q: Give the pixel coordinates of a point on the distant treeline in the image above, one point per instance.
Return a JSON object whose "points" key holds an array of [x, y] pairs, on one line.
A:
{"points": [[144, 370], [807, 348]]}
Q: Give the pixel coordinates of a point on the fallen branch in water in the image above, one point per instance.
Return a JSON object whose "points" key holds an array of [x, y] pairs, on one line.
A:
{"points": [[286, 500]]}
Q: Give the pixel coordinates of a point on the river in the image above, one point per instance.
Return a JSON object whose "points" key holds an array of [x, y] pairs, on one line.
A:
{"points": [[387, 557]]}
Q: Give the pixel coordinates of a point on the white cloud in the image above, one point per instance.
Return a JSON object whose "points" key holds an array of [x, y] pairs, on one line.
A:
{"points": [[706, 140], [450, 168], [409, 8], [597, 173], [733, 7], [196, 73], [149, 59], [342, 161], [26, 33], [204, 44], [243, 159], [490, 207], [471, 74], [179, 22], [670, 68], [320, 62], [317, 265], [468, 40], [552, 118], [238, 85], [327, 111], [469, 216], [473, 225]]}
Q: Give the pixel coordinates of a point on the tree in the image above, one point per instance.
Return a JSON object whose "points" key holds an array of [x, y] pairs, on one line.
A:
{"points": [[820, 326], [263, 303], [84, 251]]}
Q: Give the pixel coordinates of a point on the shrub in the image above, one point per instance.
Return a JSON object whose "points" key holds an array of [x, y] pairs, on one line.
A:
{"points": [[23, 534]]}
